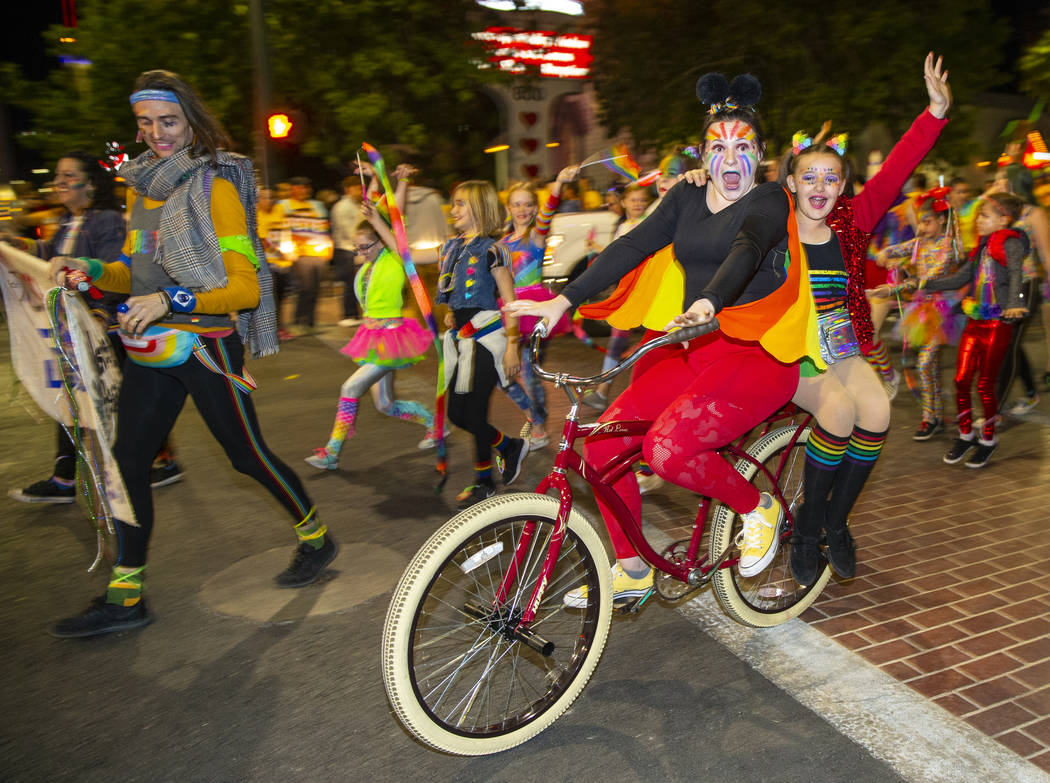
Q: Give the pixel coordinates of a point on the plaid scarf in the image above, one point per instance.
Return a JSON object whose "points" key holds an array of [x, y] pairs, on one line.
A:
{"points": [[189, 249]]}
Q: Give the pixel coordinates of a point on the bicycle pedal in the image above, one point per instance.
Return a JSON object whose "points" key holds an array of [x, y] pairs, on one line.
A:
{"points": [[632, 605]]}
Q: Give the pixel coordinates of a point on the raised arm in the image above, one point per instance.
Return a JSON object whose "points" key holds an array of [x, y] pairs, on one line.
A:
{"points": [[881, 190]]}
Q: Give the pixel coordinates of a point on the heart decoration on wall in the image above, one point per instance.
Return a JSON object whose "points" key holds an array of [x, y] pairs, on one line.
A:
{"points": [[530, 170], [528, 118], [529, 145]]}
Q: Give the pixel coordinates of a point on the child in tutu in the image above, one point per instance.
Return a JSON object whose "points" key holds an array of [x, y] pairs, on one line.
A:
{"points": [[385, 342], [927, 322]]}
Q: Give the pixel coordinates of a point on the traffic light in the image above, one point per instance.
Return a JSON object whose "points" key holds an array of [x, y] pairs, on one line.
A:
{"points": [[286, 125], [279, 125]]}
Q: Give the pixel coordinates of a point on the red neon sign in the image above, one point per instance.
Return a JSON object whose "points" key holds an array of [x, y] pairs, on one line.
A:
{"points": [[555, 55]]}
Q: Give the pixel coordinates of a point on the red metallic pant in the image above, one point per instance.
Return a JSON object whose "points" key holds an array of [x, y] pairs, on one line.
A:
{"points": [[981, 352], [699, 400]]}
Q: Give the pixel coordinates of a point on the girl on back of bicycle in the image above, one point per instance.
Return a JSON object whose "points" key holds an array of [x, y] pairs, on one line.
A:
{"points": [[729, 238], [848, 401]]}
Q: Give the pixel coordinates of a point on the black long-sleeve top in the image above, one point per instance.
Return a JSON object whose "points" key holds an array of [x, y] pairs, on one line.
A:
{"points": [[731, 257]]}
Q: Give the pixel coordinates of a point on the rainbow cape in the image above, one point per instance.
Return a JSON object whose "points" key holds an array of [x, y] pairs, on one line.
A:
{"points": [[783, 323], [426, 307]]}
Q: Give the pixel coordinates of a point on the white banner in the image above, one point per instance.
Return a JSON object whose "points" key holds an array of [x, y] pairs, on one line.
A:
{"points": [[82, 350]]}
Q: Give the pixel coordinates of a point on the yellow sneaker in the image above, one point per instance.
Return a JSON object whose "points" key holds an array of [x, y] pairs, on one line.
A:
{"points": [[623, 587], [759, 539]]}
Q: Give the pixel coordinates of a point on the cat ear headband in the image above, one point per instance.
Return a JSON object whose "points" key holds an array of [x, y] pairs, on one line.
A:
{"points": [[800, 141]]}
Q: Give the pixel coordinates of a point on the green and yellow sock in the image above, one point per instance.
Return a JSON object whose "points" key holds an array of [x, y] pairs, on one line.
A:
{"points": [[125, 586], [311, 531]]}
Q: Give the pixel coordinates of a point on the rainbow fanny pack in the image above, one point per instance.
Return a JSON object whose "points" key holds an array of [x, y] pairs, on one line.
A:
{"points": [[158, 347]]}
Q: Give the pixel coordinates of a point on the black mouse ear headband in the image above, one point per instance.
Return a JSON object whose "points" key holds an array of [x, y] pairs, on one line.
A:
{"points": [[713, 89]]}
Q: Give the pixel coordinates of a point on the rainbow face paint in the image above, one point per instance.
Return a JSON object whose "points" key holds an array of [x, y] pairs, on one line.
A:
{"points": [[731, 156]]}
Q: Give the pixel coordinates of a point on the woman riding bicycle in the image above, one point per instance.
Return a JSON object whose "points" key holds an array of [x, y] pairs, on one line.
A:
{"points": [[730, 238]]}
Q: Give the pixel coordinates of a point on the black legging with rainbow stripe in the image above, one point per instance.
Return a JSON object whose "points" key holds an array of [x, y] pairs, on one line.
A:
{"points": [[150, 401]]}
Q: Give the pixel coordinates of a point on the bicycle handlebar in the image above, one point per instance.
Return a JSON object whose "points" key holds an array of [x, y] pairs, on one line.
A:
{"points": [[682, 335]]}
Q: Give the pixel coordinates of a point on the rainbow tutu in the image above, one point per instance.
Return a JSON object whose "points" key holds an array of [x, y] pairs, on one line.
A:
{"points": [[928, 320], [389, 342]]}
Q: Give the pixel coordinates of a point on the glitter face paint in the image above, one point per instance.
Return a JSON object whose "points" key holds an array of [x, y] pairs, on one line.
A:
{"points": [[731, 156], [817, 185]]}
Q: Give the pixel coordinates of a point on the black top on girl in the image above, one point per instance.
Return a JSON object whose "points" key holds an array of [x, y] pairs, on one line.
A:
{"points": [[730, 238]]}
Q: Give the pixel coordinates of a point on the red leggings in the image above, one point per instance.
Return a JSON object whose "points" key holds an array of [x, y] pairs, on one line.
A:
{"points": [[982, 348], [699, 400]]}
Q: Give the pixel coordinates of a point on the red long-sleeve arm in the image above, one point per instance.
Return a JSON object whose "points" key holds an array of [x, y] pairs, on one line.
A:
{"points": [[881, 190]]}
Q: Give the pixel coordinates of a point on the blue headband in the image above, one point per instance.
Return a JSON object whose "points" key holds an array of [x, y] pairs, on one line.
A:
{"points": [[154, 95]]}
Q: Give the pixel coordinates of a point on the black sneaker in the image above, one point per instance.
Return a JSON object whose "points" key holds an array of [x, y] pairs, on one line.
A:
{"points": [[842, 552], [102, 617], [982, 454], [960, 446], [512, 459], [162, 474], [308, 563], [805, 559], [46, 491], [928, 429], [475, 493]]}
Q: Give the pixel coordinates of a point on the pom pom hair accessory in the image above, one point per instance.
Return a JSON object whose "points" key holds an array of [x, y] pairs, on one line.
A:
{"points": [[714, 90]]}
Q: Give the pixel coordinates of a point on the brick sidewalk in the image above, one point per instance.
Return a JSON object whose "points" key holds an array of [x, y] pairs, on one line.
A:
{"points": [[952, 591]]}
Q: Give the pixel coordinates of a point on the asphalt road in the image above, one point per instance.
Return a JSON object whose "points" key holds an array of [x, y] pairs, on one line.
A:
{"points": [[237, 681]]}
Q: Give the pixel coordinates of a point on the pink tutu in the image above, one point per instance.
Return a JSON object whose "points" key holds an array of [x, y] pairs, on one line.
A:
{"points": [[526, 323], [389, 342]]}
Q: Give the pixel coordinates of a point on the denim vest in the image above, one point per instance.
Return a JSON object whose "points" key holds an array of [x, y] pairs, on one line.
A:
{"points": [[466, 279]]}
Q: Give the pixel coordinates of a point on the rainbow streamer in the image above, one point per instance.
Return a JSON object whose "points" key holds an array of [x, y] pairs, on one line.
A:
{"points": [[426, 307]]}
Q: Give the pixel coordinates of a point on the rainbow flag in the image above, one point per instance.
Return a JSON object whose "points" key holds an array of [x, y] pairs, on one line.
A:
{"points": [[619, 161], [426, 307]]}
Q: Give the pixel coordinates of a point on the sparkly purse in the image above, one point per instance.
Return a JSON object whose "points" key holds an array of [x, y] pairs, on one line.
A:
{"points": [[837, 339]]}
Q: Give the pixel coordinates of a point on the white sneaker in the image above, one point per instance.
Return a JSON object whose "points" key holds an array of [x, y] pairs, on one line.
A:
{"points": [[623, 587], [759, 539], [1023, 405], [429, 442], [648, 482], [892, 385], [322, 459]]}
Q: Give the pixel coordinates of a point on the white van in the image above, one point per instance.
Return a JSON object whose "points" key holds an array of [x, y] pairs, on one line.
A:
{"points": [[566, 255]]}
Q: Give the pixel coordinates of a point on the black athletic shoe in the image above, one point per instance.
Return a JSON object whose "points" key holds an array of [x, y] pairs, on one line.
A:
{"points": [[46, 491], [162, 474], [512, 459], [981, 455], [842, 552], [928, 429], [958, 450], [102, 617], [805, 559], [475, 493], [308, 563]]}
